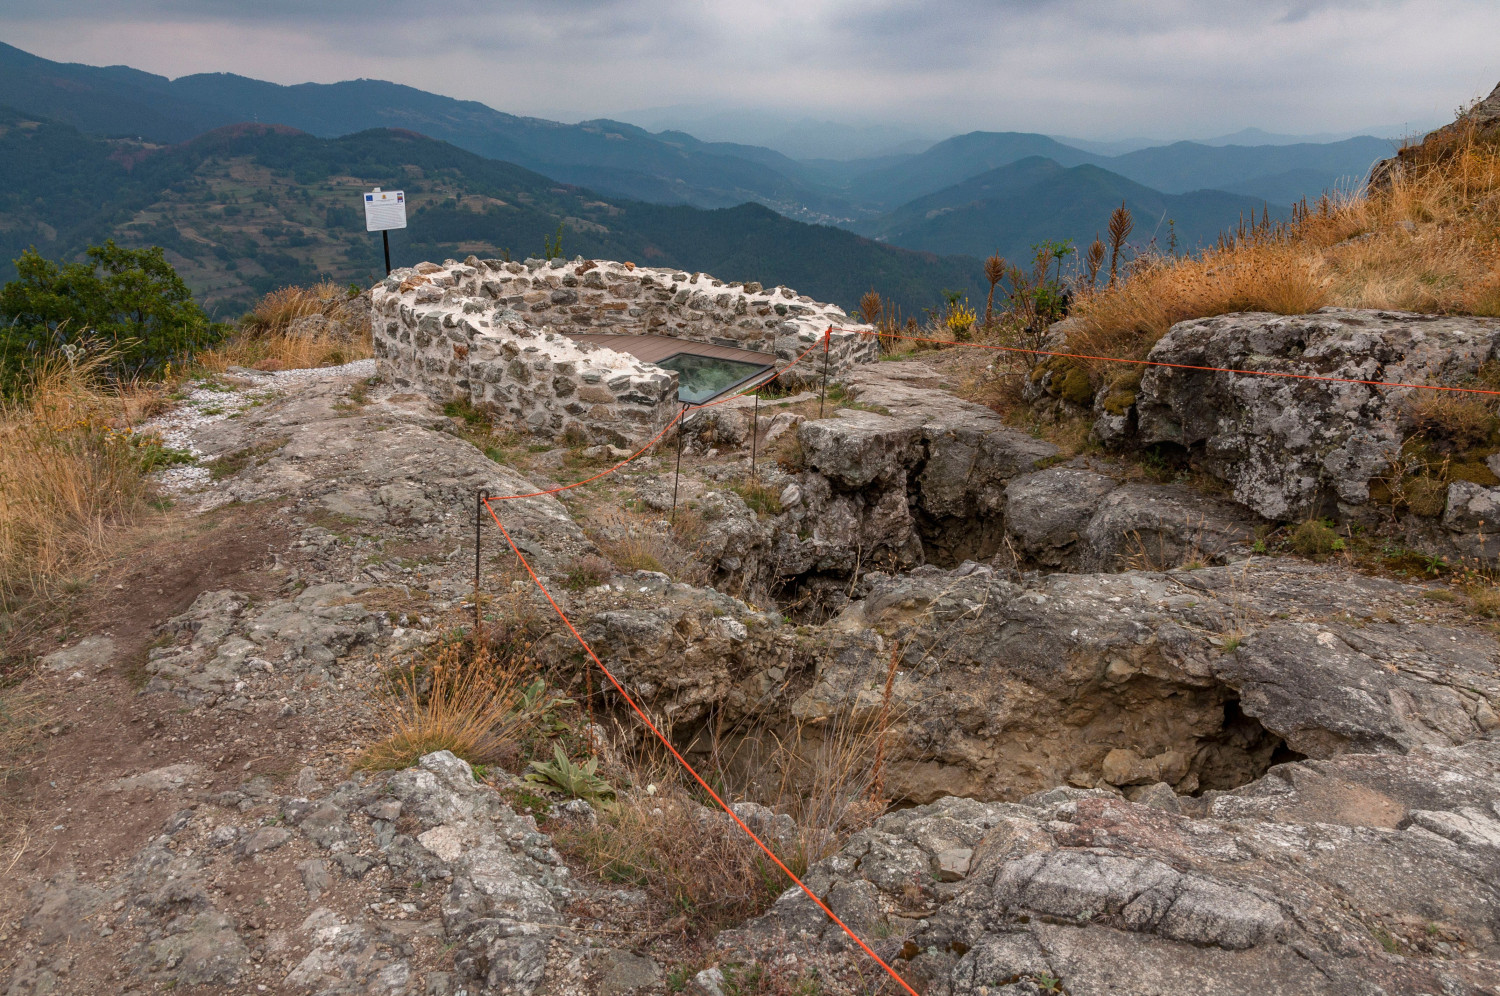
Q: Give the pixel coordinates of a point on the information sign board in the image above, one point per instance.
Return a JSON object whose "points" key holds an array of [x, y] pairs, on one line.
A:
{"points": [[384, 210]]}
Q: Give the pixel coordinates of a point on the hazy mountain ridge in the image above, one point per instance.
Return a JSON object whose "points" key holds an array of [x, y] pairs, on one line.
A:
{"points": [[971, 194], [1012, 208], [612, 157], [247, 208], [616, 158]]}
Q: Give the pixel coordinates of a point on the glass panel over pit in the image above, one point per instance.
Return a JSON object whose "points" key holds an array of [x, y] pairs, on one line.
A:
{"points": [[703, 378]]}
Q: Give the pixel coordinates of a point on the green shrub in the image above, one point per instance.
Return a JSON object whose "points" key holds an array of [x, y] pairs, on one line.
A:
{"points": [[761, 499], [1315, 538], [1426, 496], [129, 302]]}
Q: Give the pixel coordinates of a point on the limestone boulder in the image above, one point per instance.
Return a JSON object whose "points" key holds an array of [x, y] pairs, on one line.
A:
{"points": [[1199, 678], [1294, 448], [1368, 873], [859, 448], [1162, 526], [1047, 513]]}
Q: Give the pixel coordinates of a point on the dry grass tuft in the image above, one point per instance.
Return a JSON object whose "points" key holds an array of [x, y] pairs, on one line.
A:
{"points": [[665, 835], [1428, 240], [635, 542], [295, 328], [280, 308], [659, 838], [1464, 421], [1129, 319], [476, 703], [22, 715], [71, 474]]}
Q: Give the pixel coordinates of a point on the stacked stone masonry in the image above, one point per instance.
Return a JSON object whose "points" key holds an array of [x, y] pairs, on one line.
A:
{"points": [[491, 332]]}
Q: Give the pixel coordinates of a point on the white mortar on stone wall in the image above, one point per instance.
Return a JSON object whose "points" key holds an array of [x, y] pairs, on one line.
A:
{"points": [[488, 331]]}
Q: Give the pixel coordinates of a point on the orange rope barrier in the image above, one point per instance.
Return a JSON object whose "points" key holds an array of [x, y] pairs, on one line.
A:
{"points": [[1004, 349], [683, 761], [675, 419], [1177, 366]]}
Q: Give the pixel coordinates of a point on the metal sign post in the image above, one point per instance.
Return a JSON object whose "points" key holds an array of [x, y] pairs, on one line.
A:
{"points": [[385, 210]]}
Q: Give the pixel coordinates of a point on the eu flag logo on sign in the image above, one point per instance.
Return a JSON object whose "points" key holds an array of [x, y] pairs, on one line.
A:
{"points": [[369, 197]]}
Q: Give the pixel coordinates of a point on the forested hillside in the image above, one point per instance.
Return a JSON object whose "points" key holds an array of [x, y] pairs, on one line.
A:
{"points": [[248, 208]]}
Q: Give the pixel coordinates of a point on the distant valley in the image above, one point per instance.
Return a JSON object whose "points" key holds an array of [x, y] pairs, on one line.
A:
{"points": [[147, 159]]}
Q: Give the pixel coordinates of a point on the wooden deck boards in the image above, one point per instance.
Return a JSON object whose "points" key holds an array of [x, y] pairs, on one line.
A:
{"points": [[655, 348]]}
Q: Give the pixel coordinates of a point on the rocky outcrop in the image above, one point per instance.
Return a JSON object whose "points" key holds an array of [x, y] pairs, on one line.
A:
{"points": [[379, 465], [1197, 678], [923, 477], [1360, 874], [1266, 776], [1294, 448], [1070, 517], [500, 890], [1482, 117]]}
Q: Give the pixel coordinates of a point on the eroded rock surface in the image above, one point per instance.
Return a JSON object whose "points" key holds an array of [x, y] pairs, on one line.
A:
{"points": [[1262, 776], [1322, 878], [1197, 678], [1294, 448]]}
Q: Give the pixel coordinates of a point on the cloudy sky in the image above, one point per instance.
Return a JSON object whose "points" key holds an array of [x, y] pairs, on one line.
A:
{"points": [[1087, 68]]}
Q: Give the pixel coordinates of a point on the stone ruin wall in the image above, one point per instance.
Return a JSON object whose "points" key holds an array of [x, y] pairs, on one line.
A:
{"points": [[488, 331]]}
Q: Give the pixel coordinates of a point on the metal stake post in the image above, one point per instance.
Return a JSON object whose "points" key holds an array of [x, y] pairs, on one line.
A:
{"points": [[754, 433], [677, 474], [385, 237], [478, 521], [827, 335]]}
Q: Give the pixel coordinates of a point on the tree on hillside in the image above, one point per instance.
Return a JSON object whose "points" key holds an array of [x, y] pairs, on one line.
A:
{"points": [[128, 301]]}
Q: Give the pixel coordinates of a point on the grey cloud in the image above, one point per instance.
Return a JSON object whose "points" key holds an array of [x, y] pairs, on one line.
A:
{"points": [[1163, 67]]}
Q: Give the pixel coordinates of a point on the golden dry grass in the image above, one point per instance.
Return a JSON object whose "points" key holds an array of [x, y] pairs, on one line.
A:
{"points": [[281, 307], [665, 835], [1428, 241], [637, 542], [473, 703], [23, 712], [269, 340], [71, 474]]}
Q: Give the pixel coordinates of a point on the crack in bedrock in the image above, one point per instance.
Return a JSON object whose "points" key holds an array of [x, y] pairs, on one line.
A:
{"points": [[1130, 736]]}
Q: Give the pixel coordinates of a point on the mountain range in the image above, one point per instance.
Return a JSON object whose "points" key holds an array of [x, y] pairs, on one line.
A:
{"points": [[667, 192], [249, 207]]}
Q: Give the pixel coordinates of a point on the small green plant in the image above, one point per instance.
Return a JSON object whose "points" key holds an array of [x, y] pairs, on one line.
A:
{"points": [[743, 981], [462, 408], [235, 461], [1315, 538], [761, 499], [528, 802], [587, 572], [155, 454], [1047, 983], [552, 247], [578, 781], [1232, 644]]}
